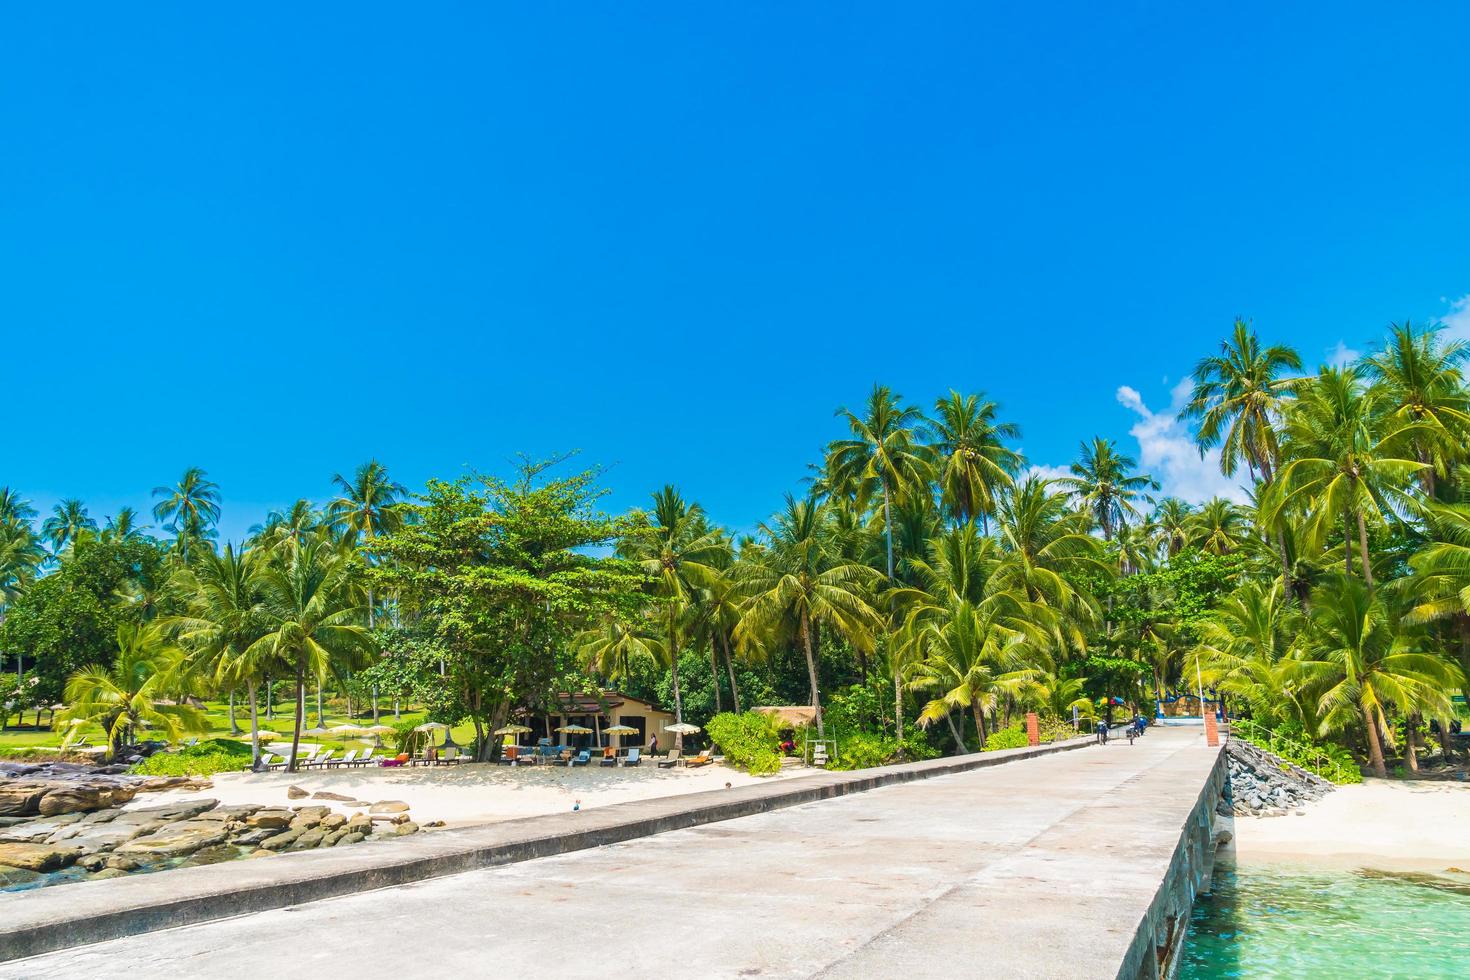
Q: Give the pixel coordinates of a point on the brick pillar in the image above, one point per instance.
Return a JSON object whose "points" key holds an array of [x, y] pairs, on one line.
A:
{"points": [[1033, 729], [1212, 729]]}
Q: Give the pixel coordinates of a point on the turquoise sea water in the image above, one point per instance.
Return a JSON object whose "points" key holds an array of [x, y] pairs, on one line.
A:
{"points": [[1281, 921]]}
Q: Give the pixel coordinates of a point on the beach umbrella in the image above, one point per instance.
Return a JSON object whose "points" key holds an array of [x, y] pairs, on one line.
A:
{"points": [[346, 729], [620, 730], [682, 728], [575, 729], [377, 732], [437, 726], [512, 730]]}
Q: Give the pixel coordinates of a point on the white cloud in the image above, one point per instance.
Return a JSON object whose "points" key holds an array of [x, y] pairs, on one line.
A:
{"points": [[1167, 450], [1046, 472], [1342, 355], [1456, 322]]}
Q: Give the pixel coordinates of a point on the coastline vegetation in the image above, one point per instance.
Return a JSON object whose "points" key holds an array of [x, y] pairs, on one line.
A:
{"points": [[923, 591]]}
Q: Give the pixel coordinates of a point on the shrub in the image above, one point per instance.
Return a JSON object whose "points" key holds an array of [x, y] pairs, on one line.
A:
{"points": [[750, 740], [205, 759], [1013, 737]]}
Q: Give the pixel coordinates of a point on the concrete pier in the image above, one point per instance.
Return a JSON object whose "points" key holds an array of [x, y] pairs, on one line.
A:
{"points": [[1075, 864]]}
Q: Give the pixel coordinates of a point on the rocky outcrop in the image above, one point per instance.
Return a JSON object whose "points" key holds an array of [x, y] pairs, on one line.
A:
{"points": [[1263, 785], [60, 817]]}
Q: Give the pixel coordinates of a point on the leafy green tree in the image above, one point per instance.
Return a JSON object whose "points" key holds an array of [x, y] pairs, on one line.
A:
{"points": [[504, 574]]}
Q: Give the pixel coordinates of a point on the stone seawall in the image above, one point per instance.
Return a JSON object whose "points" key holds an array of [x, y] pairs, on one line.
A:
{"points": [[1160, 934]]}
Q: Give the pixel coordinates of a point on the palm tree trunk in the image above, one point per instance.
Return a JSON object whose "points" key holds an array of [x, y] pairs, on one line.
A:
{"points": [[375, 702], [1347, 544], [888, 529], [1363, 551], [234, 725], [1375, 747], [730, 668], [1411, 741], [898, 710], [253, 687], [979, 723], [954, 732], [811, 671], [714, 673], [270, 700], [674, 673], [300, 716], [320, 720]]}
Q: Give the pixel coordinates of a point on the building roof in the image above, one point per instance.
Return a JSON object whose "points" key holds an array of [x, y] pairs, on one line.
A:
{"points": [[790, 714]]}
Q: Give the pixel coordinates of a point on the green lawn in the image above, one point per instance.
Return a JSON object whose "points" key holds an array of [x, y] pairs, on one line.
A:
{"points": [[219, 726]]}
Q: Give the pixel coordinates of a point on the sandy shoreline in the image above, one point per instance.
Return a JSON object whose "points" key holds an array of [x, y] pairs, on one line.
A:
{"points": [[1381, 824], [472, 794]]}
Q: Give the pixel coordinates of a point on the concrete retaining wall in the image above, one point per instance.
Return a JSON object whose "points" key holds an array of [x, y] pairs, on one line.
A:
{"points": [[1152, 954], [70, 915]]}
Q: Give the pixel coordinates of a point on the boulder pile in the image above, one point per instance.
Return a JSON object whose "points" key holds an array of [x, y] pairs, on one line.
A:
{"points": [[1264, 785], [69, 818]]}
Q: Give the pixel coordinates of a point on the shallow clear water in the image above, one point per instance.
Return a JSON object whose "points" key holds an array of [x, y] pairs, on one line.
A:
{"points": [[1281, 921]]}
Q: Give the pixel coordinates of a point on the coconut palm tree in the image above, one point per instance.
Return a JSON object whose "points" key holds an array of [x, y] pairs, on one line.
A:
{"points": [[368, 505], [296, 521], [1169, 525], [127, 695], [1103, 484], [123, 526], [68, 522], [14, 509], [189, 508], [799, 583], [1049, 556], [610, 649], [1237, 395], [225, 618], [1219, 527], [973, 657], [1366, 663], [1343, 465], [1245, 648], [1421, 382], [21, 556], [972, 459], [883, 457], [313, 622], [679, 553]]}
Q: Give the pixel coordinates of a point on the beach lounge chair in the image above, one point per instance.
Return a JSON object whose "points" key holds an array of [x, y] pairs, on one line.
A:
{"points": [[189, 743], [633, 758], [580, 759], [703, 759], [671, 760], [321, 761], [609, 757], [365, 758], [510, 755], [346, 760]]}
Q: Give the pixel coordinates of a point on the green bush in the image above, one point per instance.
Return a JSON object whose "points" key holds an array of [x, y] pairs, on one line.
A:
{"points": [[1013, 737], [205, 759], [750, 740]]}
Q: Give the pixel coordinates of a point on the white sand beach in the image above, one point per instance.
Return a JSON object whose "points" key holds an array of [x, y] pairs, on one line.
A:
{"points": [[1381, 824], [473, 794]]}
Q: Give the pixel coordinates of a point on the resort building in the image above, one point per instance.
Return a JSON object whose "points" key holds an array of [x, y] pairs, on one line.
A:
{"points": [[599, 714]]}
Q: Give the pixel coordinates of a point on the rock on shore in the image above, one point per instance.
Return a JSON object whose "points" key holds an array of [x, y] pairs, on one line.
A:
{"points": [[1263, 785]]}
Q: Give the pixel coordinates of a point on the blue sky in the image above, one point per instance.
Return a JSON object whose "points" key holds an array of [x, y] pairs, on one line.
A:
{"points": [[677, 237]]}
